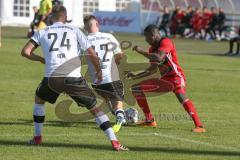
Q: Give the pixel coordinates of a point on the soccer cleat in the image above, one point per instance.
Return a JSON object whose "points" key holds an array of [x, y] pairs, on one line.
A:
{"points": [[116, 128], [228, 53], [235, 54], [150, 123], [118, 147], [199, 130], [37, 140], [120, 121]]}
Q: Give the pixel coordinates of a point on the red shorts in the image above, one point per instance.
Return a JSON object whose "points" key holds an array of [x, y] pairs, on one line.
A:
{"points": [[164, 85]]}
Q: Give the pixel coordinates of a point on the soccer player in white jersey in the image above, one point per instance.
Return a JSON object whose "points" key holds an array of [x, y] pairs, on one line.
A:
{"points": [[108, 50], [61, 44]]}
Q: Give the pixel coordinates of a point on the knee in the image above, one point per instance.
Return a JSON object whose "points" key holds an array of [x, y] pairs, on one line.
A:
{"points": [[181, 98], [39, 100], [137, 90]]}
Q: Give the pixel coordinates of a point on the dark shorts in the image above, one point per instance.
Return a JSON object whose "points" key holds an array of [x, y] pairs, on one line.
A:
{"points": [[76, 87], [113, 90]]}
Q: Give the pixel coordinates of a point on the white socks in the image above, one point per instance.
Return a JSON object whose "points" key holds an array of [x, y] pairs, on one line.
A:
{"points": [[38, 117]]}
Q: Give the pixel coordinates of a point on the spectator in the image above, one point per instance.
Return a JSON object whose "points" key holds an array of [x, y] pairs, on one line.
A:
{"points": [[207, 16], [188, 17], [173, 23], [213, 23], [196, 22], [164, 26], [176, 24], [221, 22]]}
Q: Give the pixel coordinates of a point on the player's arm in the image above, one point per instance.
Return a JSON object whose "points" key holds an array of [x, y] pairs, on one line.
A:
{"points": [[149, 71], [118, 58], [95, 61], [159, 56], [27, 52], [141, 51], [118, 54]]}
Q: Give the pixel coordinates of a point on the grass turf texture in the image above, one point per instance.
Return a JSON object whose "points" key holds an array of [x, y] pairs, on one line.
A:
{"points": [[212, 84]]}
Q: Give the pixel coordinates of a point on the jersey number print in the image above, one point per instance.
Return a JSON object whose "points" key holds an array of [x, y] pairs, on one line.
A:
{"points": [[64, 43]]}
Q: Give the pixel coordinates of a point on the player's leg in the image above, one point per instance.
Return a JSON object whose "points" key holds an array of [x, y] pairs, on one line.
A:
{"points": [[84, 96], [38, 119], [188, 106], [113, 94], [43, 94], [119, 113], [151, 85], [238, 46], [116, 99], [142, 103], [231, 44]]}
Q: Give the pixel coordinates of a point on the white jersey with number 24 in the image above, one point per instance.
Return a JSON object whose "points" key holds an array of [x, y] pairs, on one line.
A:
{"points": [[61, 45]]}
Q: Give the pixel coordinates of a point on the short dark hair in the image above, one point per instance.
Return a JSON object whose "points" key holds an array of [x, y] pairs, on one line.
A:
{"points": [[59, 10], [88, 18], [151, 29]]}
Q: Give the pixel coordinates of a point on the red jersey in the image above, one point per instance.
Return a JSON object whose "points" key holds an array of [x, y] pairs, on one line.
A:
{"points": [[197, 22], [206, 19], [170, 66]]}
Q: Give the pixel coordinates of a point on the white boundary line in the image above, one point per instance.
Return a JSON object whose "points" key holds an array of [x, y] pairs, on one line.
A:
{"points": [[138, 134]]}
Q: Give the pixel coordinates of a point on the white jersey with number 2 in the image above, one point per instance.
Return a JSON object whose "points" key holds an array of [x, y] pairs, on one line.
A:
{"points": [[105, 46], [61, 45]]}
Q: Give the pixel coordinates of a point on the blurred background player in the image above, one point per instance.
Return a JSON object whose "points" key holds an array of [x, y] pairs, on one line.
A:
{"points": [[60, 44], [231, 44], [57, 2], [45, 10], [34, 24], [163, 56], [108, 50]]}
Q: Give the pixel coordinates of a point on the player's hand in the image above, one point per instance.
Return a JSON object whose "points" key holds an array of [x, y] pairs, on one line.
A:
{"points": [[128, 75], [43, 18], [42, 61], [136, 48], [99, 77], [154, 57]]}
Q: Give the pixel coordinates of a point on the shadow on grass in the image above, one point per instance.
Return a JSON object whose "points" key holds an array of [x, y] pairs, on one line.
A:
{"points": [[25, 122], [15, 123], [134, 149], [214, 69], [87, 124], [213, 54]]}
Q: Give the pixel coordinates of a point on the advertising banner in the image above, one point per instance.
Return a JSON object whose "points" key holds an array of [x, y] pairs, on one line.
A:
{"points": [[119, 21]]}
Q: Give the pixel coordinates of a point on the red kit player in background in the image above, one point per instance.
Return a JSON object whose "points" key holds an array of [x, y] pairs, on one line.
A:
{"points": [[163, 56]]}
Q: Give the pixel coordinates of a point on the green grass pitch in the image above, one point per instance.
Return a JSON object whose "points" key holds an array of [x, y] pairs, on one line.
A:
{"points": [[213, 83]]}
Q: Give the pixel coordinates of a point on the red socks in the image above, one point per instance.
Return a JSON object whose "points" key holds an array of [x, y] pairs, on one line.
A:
{"points": [[142, 102], [189, 107]]}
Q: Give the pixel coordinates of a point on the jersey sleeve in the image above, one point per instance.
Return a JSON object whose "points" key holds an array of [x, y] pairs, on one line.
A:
{"points": [[35, 39], [116, 46], [83, 41], [49, 4], [166, 45], [150, 49]]}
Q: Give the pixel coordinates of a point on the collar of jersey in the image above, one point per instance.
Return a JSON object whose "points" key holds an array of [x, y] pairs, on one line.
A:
{"points": [[58, 23], [94, 33]]}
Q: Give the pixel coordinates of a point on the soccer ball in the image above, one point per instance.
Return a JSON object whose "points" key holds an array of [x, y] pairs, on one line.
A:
{"points": [[131, 115]]}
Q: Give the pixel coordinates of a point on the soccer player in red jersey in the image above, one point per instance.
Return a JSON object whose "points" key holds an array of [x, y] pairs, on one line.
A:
{"points": [[163, 56]]}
